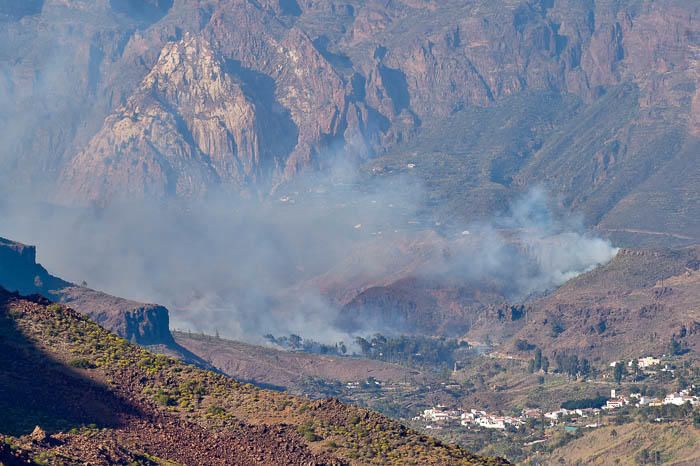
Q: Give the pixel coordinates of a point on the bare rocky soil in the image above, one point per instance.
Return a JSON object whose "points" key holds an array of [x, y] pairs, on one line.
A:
{"points": [[632, 306]]}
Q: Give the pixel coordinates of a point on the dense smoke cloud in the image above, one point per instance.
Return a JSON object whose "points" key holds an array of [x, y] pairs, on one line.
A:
{"points": [[286, 264], [528, 249]]}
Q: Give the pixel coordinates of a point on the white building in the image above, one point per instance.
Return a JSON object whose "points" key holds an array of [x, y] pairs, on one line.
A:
{"points": [[488, 421], [586, 412], [556, 415], [492, 422], [646, 362], [440, 413], [616, 403], [467, 419], [681, 398]]}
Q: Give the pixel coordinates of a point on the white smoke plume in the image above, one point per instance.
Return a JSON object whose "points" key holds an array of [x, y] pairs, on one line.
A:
{"points": [[246, 268]]}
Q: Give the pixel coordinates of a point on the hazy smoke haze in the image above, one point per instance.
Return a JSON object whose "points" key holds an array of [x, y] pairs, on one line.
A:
{"points": [[249, 267], [283, 264]]}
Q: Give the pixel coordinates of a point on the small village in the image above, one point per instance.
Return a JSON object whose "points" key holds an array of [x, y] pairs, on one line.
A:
{"points": [[440, 416], [588, 417]]}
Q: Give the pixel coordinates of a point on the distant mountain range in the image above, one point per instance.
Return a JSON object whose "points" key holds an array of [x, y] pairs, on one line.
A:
{"points": [[598, 101]]}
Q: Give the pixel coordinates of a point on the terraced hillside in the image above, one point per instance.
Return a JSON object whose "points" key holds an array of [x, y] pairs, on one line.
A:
{"points": [[102, 400]]}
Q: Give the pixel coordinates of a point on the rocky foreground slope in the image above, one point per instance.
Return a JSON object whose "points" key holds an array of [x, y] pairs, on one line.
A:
{"points": [[99, 399]]}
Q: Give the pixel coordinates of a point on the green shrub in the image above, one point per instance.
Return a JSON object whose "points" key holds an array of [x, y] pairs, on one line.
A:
{"points": [[53, 307], [81, 363], [310, 436], [164, 399]]}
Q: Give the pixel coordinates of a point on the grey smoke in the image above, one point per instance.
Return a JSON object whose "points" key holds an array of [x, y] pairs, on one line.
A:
{"points": [[529, 248], [283, 264], [247, 267]]}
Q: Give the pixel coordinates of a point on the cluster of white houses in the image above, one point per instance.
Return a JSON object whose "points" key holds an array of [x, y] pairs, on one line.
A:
{"points": [[440, 415], [648, 364], [489, 421], [472, 418], [681, 398], [643, 363], [677, 398]]}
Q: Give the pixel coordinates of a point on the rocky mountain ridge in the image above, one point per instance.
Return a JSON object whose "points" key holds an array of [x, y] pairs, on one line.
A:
{"points": [[146, 324], [305, 82], [190, 125]]}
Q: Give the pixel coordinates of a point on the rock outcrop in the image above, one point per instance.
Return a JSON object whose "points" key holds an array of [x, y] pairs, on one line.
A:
{"points": [[20, 272], [146, 324], [161, 99], [188, 128]]}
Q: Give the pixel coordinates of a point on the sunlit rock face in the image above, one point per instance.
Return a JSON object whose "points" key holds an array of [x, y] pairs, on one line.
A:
{"points": [[167, 98], [189, 126]]}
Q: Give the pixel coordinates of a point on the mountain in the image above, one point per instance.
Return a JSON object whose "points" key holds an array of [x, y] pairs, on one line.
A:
{"points": [[97, 398], [632, 306], [594, 100], [189, 124], [419, 305]]}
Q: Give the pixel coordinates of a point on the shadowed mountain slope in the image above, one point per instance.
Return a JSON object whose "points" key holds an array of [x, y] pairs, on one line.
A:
{"points": [[221, 421]]}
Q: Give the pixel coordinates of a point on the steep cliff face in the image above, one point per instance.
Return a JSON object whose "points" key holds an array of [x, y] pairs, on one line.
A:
{"points": [[110, 90], [20, 272], [189, 127], [146, 324]]}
